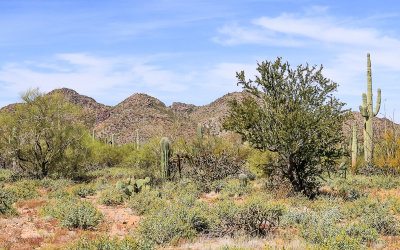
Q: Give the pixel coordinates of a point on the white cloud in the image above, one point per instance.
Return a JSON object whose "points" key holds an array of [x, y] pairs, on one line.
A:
{"points": [[340, 44], [88, 74], [111, 79]]}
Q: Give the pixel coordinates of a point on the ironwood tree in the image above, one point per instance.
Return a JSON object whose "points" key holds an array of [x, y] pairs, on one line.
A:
{"points": [[293, 112]]}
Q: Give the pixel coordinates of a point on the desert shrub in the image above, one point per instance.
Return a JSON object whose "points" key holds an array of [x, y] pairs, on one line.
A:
{"points": [[111, 197], [258, 216], [233, 188], [295, 217], [101, 184], [323, 229], [145, 161], [255, 216], [225, 212], [142, 202], [24, 190], [386, 181], [120, 173], [375, 214], [7, 175], [83, 190], [382, 221], [362, 232], [387, 152], [183, 192], [102, 242], [6, 203], [56, 184], [349, 192], [262, 163], [370, 169], [73, 213], [394, 204], [168, 224], [213, 160], [58, 194]]}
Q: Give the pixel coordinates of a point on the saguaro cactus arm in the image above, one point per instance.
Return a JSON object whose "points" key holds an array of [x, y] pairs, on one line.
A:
{"points": [[364, 107], [354, 146], [378, 103]]}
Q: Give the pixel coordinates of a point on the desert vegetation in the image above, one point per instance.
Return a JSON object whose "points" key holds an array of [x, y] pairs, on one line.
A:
{"points": [[283, 173]]}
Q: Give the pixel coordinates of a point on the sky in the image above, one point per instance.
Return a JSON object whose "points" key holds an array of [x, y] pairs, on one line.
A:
{"points": [[190, 50]]}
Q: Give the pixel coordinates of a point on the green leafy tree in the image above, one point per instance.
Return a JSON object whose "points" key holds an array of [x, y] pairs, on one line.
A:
{"points": [[43, 136], [293, 113]]}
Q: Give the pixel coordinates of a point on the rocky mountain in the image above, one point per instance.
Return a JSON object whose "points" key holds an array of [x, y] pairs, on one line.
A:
{"points": [[152, 118], [95, 112]]}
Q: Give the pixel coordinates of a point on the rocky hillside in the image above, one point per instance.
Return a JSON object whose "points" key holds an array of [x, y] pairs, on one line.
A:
{"points": [[154, 119]]}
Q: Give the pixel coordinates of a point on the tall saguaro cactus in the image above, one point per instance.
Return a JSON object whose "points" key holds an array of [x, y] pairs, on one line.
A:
{"points": [[354, 145], [199, 133], [368, 113], [137, 139], [165, 153]]}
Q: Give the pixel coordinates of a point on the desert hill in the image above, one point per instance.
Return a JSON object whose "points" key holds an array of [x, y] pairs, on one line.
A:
{"points": [[154, 119]]}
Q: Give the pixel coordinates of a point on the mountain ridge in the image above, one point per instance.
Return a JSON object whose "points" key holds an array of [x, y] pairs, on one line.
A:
{"points": [[153, 118]]}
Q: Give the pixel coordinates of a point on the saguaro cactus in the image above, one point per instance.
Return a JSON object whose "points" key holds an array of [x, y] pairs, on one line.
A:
{"points": [[112, 140], [368, 113], [354, 145], [243, 180], [137, 139], [165, 153], [199, 133]]}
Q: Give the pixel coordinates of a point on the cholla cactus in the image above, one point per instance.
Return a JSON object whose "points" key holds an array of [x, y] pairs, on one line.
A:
{"points": [[368, 113]]}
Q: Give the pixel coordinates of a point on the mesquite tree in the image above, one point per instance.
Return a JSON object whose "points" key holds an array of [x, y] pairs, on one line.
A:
{"points": [[293, 113], [44, 135]]}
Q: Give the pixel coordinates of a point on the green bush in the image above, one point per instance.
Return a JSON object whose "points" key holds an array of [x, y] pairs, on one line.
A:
{"points": [[325, 229], [226, 212], [169, 223], [23, 190], [105, 243], [214, 160], [6, 203], [381, 221], [256, 216], [362, 232], [83, 190], [58, 194], [386, 181], [183, 192], [375, 214], [56, 184], [73, 213], [233, 188], [142, 202], [349, 192], [101, 184], [7, 175], [295, 217], [111, 197]]}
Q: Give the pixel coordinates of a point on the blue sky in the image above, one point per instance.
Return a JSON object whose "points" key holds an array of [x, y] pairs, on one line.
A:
{"points": [[189, 51]]}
